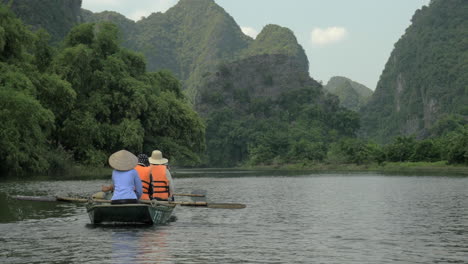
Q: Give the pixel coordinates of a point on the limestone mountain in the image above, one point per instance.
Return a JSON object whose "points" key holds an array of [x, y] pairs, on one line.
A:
{"points": [[55, 16], [353, 95], [191, 39], [237, 83], [125, 25], [426, 76], [266, 109], [194, 37], [274, 39]]}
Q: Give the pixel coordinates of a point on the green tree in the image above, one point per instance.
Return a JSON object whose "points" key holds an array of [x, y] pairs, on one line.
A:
{"points": [[120, 105], [401, 149]]}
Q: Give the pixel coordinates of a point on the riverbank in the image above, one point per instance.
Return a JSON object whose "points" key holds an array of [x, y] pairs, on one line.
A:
{"points": [[439, 167]]}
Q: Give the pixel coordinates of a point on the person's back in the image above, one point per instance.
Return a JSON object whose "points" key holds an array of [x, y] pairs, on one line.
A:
{"points": [[162, 181], [124, 185], [126, 181], [144, 173]]}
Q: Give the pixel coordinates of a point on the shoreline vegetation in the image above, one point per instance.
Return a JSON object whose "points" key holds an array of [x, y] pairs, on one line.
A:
{"points": [[414, 168], [385, 167]]}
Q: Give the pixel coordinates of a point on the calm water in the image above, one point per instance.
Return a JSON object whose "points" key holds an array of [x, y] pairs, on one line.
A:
{"points": [[308, 218]]}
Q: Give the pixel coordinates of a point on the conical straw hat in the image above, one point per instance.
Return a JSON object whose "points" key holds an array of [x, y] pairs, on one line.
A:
{"points": [[123, 160], [157, 158]]}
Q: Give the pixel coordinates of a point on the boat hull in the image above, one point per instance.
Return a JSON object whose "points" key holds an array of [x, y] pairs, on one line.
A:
{"points": [[106, 213]]}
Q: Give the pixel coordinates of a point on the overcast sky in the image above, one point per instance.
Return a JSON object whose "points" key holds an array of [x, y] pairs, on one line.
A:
{"points": [[351, 38]]}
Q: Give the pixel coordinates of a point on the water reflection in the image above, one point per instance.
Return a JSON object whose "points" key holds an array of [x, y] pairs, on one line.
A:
{"points": [[124, 246], [154, 248], [13, 210], [137, 244]]}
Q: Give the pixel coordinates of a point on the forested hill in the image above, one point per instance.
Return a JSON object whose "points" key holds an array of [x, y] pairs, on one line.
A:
{"points": [[125, 25], [265, 109], [78, 102], [424, 83], [274, 39], [190, 39], [55, 16], [353, 95], [195, 36], [256, 96]]}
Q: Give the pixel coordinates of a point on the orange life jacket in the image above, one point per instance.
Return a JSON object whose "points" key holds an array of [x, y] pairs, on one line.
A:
{"points": [[160, 182], [144, 173]]}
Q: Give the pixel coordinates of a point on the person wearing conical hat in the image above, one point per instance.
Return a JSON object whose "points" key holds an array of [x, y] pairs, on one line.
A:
{"points": [[126, 182], [163, 186]]}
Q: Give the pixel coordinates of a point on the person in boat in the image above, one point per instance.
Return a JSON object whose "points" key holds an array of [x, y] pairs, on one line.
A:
{"points": [[163, 186], [143, 170], [126, 182]]}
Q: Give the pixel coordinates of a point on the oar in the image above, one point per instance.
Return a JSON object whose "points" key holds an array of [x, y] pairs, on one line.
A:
{"points": [[189, 194], [83, 200], [50, 199], [209, 205], [35, 198], [187, 203]]}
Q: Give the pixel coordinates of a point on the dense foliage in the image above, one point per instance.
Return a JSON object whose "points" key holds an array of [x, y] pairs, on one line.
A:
{"points": [[451, 147], [86, 100], [248, 126], [425, 77], [55, 16]]}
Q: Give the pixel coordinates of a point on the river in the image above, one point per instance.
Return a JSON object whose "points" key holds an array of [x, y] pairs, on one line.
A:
{"points": [[290, 218]]}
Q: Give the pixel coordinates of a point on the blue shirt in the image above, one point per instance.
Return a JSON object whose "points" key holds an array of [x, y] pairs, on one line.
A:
{"points": [[127, 185]]}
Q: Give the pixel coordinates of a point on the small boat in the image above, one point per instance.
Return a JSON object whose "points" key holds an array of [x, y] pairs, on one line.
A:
{"points": [[151, 213]]}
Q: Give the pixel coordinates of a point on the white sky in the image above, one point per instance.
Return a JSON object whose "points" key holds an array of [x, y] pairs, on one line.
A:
{"points": [[351, 38]]}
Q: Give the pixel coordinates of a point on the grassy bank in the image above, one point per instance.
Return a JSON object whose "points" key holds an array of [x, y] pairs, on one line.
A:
{"points": [[389, 167], [74, 172]]}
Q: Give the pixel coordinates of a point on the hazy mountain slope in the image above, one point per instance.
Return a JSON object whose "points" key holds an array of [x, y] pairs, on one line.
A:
{"points": [[192, 38], [274, 39], [426, 76], [189, 39], [56, 16], [266, 109], [261, 76], [126, 26], [353, 95]]}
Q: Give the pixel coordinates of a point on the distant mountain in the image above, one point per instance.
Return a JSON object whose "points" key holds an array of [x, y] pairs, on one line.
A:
{"points": [[352, 95], [191, 39], [126, 26], [274, 39], [266, 109], [260, 76], [426, 76], [195, 36], [55, 16]]}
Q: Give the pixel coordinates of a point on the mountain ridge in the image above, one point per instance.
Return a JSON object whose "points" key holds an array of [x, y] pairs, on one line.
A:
{"points": [[425, 76], [352, 95]]}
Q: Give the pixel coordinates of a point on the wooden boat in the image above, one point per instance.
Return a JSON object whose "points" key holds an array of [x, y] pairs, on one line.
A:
{"points": [[142, 213], [101, 211]]}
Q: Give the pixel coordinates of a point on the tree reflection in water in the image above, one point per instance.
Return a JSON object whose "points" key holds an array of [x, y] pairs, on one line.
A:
{"points": [[140, 245]]}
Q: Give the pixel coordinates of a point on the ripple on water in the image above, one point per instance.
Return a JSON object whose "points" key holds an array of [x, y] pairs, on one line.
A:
{"points": [[304, 219]]}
